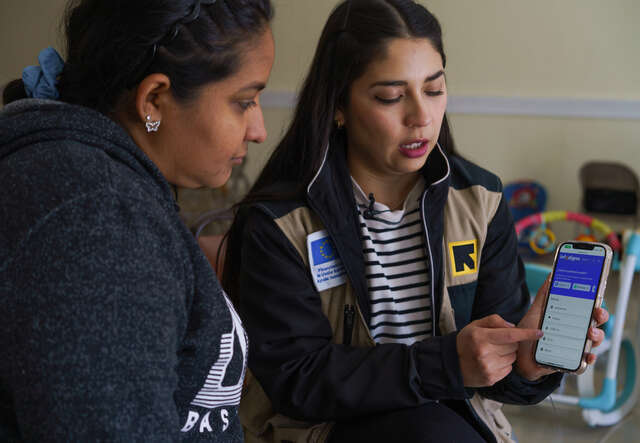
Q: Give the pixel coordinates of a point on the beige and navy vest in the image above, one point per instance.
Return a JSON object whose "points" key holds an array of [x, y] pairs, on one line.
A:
{"points": [[467, 214]]}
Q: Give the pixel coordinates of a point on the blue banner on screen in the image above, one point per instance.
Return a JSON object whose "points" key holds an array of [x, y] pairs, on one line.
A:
{"points": [[577, 275], [568, 313]]}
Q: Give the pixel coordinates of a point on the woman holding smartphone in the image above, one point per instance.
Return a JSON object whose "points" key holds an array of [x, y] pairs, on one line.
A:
{"points": [[376, 271], [113, 326]]}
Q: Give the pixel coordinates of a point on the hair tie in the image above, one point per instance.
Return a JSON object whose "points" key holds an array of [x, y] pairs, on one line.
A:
{"points": [[40, 81], [194, 14], [195, 10], [190, 17]]}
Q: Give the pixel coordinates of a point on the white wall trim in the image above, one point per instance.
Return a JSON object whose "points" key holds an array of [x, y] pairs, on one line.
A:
{"points": [[540, 107]]}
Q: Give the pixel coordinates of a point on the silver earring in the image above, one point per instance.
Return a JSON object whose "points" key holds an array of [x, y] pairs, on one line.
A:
{"points": [[152, 126]]}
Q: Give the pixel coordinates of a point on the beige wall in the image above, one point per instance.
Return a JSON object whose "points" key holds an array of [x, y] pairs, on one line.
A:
{"points": [[26, 28], [585, 49], [551, 48]]}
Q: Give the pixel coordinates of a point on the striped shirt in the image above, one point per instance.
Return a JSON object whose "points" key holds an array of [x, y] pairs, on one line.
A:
{"points": [[397, 269]]}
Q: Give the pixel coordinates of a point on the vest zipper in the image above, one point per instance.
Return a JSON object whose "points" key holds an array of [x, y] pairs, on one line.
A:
{"points": [[426, 233], [349, 314], [488, 433]]}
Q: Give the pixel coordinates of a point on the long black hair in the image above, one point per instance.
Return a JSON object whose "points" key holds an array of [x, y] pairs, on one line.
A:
{"points": [[112, 45], [356, 32]]}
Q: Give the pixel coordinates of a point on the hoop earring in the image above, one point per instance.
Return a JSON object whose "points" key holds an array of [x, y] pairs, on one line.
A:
{"points": [[152, 126], [339, 124]]}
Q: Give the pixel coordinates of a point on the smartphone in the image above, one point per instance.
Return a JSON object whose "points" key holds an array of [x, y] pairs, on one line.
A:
{"points": [[578, 281]]}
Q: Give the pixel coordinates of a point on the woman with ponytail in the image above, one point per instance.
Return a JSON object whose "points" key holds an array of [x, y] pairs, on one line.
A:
{"points": [[113, 327]]}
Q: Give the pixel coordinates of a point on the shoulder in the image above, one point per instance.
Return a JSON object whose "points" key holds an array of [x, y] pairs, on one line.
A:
{"points": [[473, 190], [107, 215], [465, 174], [51, 175], [275, 200], [284, 222], [108, 225], [106, 234]]}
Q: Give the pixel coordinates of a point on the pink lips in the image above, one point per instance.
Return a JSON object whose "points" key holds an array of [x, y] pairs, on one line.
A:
{"points": [[415, 152]]}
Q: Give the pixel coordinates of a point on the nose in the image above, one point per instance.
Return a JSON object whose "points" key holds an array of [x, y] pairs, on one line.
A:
{"points": [[256, 132], [419, 113]]}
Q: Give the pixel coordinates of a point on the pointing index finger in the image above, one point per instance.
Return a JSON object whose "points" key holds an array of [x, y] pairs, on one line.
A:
{"points": [[502, 336]]}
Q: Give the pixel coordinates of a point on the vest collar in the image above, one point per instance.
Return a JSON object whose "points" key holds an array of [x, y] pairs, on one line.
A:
{"points": [[435, 171]]}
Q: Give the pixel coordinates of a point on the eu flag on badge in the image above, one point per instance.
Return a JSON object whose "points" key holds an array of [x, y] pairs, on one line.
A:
{"points": [[322, 251]]}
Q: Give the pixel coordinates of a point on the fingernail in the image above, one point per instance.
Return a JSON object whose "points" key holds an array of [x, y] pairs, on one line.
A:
{"points": [[539, 334], [511, 325]]}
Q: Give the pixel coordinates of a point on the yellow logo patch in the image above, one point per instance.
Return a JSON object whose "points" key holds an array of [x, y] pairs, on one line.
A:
{"points": [[464, 257]]}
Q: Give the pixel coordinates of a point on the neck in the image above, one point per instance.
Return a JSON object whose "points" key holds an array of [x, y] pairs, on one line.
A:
{"points": [[391, 191], [142, 139]]}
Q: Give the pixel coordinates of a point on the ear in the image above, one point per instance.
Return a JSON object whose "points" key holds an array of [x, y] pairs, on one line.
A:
{"points": [[152, 95]]}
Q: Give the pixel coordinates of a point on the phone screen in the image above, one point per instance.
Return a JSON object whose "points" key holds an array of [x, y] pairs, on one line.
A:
{"points": [[567, 316]]}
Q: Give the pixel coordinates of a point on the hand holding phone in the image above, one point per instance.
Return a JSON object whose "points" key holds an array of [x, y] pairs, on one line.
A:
{"points": [[576, 290], [487, 349]]}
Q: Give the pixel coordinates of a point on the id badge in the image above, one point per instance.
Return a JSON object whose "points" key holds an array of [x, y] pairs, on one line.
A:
{"points": [[327, 269]]}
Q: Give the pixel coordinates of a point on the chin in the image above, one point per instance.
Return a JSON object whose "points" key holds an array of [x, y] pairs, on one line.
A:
{"points": [[414, 165], [218, 182]]}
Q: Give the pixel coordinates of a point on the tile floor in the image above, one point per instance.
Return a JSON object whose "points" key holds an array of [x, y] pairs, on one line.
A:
{"points": [[561, 423]]}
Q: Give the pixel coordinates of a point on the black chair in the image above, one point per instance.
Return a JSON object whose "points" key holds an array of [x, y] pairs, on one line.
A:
{"points": [[610, 191]]}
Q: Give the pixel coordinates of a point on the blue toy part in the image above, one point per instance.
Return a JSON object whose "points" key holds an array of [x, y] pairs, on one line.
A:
{"points": [[524, 198], [608, 326], [631, 246], [607, 400], [630, 376], [542, 240], [535, 276]]}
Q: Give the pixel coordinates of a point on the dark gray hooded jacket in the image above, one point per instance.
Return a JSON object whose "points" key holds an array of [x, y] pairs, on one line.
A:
{"points": [[113, 327]]}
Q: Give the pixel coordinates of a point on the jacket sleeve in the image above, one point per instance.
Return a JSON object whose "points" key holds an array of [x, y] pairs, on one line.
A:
{"points": [[305, 375], [502, 290], [95, 305]]}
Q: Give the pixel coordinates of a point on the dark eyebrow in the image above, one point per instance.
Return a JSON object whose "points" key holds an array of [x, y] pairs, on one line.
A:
{"points": [[258, 86], [431, 78]]}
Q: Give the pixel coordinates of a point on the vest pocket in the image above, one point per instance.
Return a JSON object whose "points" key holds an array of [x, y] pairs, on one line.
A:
{"points": [[462, 298], [349, 315]]}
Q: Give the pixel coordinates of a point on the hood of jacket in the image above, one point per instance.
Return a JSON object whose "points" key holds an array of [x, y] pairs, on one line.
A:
{"points": [[52, 154], [29, 122]]}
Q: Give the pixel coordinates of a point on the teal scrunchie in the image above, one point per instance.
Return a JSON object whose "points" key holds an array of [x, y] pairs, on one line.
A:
{"points": [[40, 81]]}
